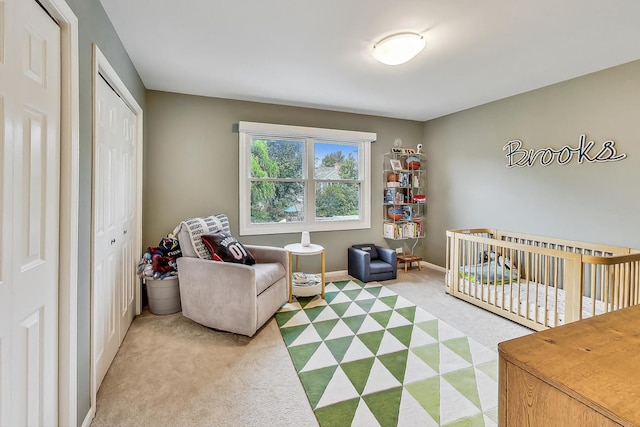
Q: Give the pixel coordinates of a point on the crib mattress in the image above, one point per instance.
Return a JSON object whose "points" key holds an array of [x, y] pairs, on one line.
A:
{"points": [[513, 297]]}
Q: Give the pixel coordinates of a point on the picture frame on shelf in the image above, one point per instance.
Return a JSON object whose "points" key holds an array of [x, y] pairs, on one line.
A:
{"points": [[396, 164], [407, 213]]}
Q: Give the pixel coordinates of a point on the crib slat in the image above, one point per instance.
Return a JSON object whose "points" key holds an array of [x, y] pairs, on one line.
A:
{"points": [[556, 284], [593, 289]]}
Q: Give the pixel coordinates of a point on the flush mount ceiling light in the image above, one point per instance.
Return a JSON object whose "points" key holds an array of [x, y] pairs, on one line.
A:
{"points": [[398, 48]]}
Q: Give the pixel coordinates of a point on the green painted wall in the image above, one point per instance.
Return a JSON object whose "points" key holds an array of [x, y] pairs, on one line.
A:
{"points": [[93, 27], [191, 159], [469, 185]]}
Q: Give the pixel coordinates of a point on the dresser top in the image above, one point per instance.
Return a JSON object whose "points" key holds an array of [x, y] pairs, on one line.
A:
{"points": [[596, 361]]}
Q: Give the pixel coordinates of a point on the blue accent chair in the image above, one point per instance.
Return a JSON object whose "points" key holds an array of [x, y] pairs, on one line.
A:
{"points": [[370, 263]]}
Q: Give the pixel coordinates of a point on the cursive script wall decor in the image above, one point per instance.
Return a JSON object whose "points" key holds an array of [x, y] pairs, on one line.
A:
{"points": [[517, 156]]}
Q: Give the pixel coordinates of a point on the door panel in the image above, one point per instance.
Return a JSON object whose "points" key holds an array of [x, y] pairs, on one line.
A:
{"points": [[114, 226], [29, 111]]}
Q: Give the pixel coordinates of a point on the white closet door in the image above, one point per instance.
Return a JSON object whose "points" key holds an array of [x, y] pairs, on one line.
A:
{"points": [[29, 174], [114, 264], [129, 259]]}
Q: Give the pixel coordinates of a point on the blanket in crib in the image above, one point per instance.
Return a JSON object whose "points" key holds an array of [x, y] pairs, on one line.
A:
{"points": [[489, 270]]}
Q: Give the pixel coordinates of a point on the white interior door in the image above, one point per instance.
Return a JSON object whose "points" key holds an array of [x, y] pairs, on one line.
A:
{"points": [[114, 263], [30, 150]]}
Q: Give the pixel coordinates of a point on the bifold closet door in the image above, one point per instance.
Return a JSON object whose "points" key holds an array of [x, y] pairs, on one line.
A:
{"points": [[29, 226], [114, 266]]}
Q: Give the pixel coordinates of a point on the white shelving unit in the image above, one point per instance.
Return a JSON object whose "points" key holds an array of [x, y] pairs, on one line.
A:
{"points": [[404, 198]]}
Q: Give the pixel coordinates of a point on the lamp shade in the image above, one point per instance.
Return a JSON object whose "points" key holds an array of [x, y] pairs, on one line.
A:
{"points": [[398, 48]]}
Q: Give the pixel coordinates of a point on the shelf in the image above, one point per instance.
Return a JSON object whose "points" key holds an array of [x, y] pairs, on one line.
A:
{"points": [[307, 290], [403, 216]]}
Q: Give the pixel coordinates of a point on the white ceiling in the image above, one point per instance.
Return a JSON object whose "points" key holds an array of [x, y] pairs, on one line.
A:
{"points": [[317, 53]]}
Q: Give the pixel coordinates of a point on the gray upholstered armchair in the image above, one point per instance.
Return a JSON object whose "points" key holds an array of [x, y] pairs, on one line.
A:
{"points": [[228, 296], [370, 262]]}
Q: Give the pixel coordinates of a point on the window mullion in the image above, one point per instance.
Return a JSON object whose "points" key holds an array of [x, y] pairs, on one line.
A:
{"points": [[310, 194]]}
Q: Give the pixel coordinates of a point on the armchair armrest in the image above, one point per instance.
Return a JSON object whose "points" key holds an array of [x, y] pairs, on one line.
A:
{"points": [[359, 262], [269, 254], [216, 293], [387, 255]]}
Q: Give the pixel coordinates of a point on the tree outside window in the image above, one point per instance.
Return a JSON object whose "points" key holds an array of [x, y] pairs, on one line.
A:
{"points": [[303, 182]]}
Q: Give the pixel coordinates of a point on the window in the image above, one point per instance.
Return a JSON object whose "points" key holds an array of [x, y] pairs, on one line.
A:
{"points": [[296, 178]]}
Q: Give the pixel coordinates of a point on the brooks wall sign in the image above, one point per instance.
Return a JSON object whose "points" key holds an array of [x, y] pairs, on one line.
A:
{"points": [[584, 152]]}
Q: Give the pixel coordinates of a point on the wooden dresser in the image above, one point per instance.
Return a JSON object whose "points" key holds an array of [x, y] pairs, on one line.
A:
{"points": [[583, 374]]}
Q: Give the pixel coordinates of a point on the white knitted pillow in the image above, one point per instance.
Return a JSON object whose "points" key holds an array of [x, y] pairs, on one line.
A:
{"points": [[205, 225]]}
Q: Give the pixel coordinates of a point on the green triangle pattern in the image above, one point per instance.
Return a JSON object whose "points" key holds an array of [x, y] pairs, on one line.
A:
{"points": [[372, 340], [304, 301], [301, 354], [329, 296], [325, 327], [290, 334], [313, 313], [386, 364], [315, 382], [408, 313], [340, 308], [354, 322], [396, 363], [385, 406], [283, 317], [403, 333], [358, 372], [338, 415], [472, 421], [430, 327], [464, 380], [339, 346], [427, 393], [375, 291], [382, 317], [390, 301], [430, 354], [366, 304], [352, 294], [460, 346]]}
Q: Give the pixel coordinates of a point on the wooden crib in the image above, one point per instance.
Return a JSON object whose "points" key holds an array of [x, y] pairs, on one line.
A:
{"points": [[540, 282]]}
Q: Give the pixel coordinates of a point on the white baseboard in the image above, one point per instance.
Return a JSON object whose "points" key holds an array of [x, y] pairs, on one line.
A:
{"points": [[434, 266], [329, 274], [89, 417]]}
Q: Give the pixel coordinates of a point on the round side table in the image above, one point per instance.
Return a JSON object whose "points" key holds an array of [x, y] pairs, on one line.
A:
{"points": [[298, 250]]}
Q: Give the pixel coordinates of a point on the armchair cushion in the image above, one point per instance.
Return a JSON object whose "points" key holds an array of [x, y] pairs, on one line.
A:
{"points": [[369, 247], [227, 247]]}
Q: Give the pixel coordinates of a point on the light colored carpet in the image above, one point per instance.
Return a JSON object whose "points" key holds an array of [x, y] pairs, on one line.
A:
{"points": [[171, 371]]}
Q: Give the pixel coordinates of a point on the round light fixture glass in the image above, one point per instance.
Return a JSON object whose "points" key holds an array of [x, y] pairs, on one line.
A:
{"points": [[398, 48]]}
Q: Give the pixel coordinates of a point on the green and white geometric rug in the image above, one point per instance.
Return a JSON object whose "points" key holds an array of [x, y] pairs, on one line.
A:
{"points": [[368, 357]]}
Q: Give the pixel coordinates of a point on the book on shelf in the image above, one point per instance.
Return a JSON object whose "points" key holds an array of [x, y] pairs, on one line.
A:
{"points": [[402, 230], [390, 230]]}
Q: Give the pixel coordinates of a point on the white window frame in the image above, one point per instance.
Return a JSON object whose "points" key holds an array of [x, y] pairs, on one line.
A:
{"points": [[250, 130]]}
